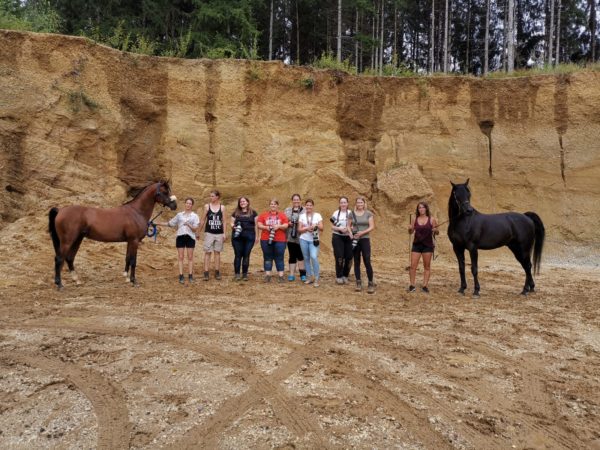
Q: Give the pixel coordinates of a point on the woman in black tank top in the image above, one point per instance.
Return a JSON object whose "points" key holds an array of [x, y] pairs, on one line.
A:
{"points": [[424, 227]]}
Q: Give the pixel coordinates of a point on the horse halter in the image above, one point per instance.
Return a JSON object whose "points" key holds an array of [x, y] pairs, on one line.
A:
{"points": [[160, 196], [461, 208]]}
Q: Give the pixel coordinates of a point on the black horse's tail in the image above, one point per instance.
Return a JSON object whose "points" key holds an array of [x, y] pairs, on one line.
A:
{"points": [[540, 234], [52, 229]]}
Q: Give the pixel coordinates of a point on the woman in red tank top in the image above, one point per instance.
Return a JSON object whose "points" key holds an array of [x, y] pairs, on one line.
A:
{"points": [[424, 226]]}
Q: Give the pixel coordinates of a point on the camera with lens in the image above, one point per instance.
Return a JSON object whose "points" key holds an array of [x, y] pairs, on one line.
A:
{"points": [[237, 230], [294, 226], [335, 222], [354, 238], [271, 235], [316, 236]]}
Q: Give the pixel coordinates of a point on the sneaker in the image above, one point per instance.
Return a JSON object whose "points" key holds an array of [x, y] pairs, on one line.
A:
{"points": [[371, 288], [206, 276], [316, 284], [281, 279], [291, 278], [425, 289], [339, 281], [245, 277], [411, 288], [237, 277], [267, 278], [217, 275], [345, 280], [181, 280], [190, 278], [303, 278], [358, 287]]}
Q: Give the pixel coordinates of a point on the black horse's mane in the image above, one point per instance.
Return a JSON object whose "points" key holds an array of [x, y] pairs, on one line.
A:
{"points": [[138, 191], [453, 209]]}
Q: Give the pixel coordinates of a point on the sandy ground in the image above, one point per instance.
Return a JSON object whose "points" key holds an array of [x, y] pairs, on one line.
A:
{"points": [[253, 365]]}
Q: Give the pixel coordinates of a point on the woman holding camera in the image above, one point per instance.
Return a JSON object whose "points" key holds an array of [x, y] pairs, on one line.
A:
{"points": [[293, 239], [425, 227], [341, 242], [243, 224], [273, 224], [362, 224], [310, 225]]}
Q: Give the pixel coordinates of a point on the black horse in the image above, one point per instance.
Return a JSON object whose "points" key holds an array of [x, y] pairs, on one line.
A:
{"points": [[471, 230]]}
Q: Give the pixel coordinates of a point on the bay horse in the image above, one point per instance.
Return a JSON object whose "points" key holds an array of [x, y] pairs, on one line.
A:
{"points": [[471, 230], [126, 223]]}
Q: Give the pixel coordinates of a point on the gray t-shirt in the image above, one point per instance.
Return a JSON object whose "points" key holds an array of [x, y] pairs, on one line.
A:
{"points": [[293, 215], [361, 222]]}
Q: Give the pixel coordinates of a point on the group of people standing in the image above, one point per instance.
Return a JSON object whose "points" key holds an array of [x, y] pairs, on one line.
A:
{"points": [[298, 229]]}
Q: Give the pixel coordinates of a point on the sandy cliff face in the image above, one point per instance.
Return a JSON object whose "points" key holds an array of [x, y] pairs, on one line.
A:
{"points": [[84, 123]]}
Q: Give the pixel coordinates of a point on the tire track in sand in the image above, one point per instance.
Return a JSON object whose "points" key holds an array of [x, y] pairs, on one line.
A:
{"points": [[288, 409], [107, 398]]}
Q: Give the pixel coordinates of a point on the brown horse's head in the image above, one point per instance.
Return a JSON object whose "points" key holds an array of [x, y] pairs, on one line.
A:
{"points": [[163, 195]]}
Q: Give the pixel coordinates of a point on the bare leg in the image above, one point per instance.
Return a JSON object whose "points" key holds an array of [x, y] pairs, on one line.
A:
{"points": [[190, 256], [217, 261], [180, 255], [426, 268], [414, 263]]}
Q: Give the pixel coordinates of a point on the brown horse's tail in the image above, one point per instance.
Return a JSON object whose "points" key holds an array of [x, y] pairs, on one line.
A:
{"points": [[52, 229], [540, 234]]}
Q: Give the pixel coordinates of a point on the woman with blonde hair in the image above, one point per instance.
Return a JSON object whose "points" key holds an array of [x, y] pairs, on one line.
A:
{"points": [[362, 224]]}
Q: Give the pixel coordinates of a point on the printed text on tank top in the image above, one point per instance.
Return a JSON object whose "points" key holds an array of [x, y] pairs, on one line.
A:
{"points": [[273, 219], [214, 220]]}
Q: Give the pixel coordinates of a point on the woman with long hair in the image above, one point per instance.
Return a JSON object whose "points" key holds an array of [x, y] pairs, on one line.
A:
{"points": [[424, 227], [362, 224], [311, 224], [295, 256], [243, 224], [341, 220]]}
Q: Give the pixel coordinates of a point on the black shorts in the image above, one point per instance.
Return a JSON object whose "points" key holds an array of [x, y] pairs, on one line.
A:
{"points": [[185, 241], [421, 248]]}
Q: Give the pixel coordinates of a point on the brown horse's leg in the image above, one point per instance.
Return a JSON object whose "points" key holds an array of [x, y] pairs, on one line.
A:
{"points": [[59, 261], [71, 257], [127, 261], [133, 259]]}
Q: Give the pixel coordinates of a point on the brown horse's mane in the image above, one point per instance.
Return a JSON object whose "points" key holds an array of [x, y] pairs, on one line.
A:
{"points": [[166, 183]]}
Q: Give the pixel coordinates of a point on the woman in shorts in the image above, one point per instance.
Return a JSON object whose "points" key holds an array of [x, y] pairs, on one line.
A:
{"points": [[424, 227], [186, 222]]}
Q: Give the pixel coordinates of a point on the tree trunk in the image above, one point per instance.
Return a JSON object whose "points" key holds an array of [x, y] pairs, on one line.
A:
{"points": [[271, 33], [486, 56], [339, 32], [593, 29], [381, 39], [394, 47], [551, 33], [510, 54], [356, 40], [432, 38], [297, 35], [468, 50], [558, 7], [446, 27]]}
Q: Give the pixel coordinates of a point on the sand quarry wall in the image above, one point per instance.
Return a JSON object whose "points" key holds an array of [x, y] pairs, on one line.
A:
{"points": [[80, 122]]}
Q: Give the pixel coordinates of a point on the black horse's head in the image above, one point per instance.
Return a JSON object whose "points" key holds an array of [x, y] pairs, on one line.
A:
{"points": [[460, 200], [163, 195]]}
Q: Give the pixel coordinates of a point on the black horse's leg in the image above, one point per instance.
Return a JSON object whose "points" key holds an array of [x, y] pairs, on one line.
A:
{"points": [[133, 261], [71, 258], [524, 259], [474, 255], [460, 256]]}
